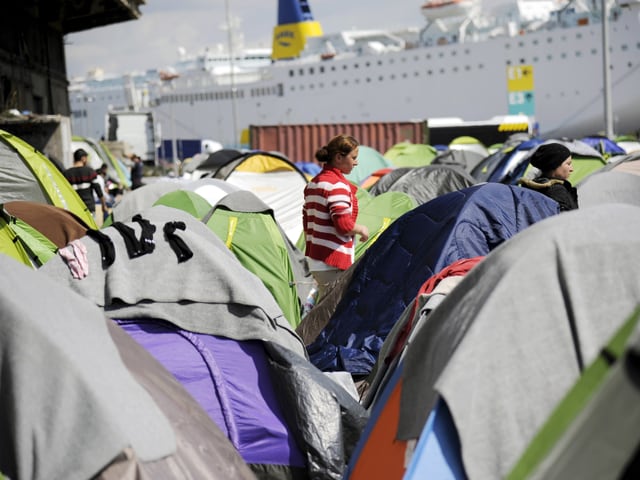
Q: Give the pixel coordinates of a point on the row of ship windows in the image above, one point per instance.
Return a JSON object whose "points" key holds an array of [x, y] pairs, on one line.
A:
{"points": [[226, 95], [429, 56]]}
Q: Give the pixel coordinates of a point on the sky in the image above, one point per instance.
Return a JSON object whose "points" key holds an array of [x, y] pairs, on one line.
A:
{"points": [[152, 41]]}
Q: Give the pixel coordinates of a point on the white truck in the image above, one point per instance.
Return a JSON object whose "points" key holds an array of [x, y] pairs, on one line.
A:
{"points": [[137, 130]]}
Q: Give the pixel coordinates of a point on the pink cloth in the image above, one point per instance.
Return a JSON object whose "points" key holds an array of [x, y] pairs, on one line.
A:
{"points": [[75, 256]]}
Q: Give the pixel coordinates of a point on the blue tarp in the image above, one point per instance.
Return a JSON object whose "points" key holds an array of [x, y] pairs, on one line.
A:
{"points": [[461, 224]]}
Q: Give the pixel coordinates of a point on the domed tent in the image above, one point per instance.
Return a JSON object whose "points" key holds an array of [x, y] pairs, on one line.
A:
{"points": [[423, 183], [119, 410], [216, 327], [99, 154], [461, 224], [605, 146], [501, 165], [271, 177], [26, 174], [468, 143], [461, 158], [369, 160], [405, 154]]}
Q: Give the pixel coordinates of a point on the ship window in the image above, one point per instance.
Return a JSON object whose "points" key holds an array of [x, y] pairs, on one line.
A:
{"points": [[535, 59], [466, 51], [403, 59], [357, 80], [429, 72], [380, 78], [480, 66], [428, 56], [624, 47], [521, 44], [563, 55], [368, 64], [455, 69], [578, 53], [355, 65], [467, 68], [321, 69], [508, 62], [280, 90], [441, 54], [442, 70], [549, 57], [390, 61], [344, 67], [301, 71], [311, 71], [346, 82], [334, 83], [507, 45], [404, 75], [454, 53], [594, 51], [379, 62], [578, 35], [333, 68], [291, 73], [415, 58], [549, 40], [535, 41], [392, 77], [293, 88], [368, 80], [522, 61], [301, 88]]}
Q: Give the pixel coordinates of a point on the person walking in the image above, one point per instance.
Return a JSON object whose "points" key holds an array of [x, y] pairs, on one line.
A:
{"points": [[84, 181], [556, 165], [330, 211]]}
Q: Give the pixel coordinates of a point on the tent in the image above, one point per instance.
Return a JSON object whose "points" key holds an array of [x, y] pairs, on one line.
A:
{"points": [[405, 154], [247, 227], [369, 161], [469, 144], [119, 409], [32, 232], [26, 174], [190, 294], [461, 224], [459, 157], [629, 143], [498, 356], [501, 165], [609, 186], [423, 183], [271, 177], [605, 146], [186, 200], [592, 432], [378, 212]]}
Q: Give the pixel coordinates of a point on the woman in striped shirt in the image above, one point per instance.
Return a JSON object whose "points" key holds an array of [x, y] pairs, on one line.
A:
{"points": [[330, 211]]}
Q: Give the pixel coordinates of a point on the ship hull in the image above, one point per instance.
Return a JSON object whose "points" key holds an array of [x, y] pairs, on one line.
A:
{"points": [[466, 80]]}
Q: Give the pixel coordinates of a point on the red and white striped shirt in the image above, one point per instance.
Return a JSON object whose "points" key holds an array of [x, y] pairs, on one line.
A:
{"points": [[329, 212]]}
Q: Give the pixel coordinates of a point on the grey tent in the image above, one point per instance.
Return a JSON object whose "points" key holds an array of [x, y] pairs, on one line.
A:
{"points": [[71, 408], [424, 183], [507, 343]]}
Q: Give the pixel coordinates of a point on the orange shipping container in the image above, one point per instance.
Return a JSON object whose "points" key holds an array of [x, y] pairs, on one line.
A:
{"points": [[300, 142]]}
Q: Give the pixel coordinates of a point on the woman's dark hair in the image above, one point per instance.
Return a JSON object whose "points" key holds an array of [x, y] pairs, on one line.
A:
{"points": [[344, 144]]}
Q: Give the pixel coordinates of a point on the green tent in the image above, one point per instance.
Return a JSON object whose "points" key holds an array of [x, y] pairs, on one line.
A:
{"points": [[186, 200], [378, 212], [248, 228], [22, 242], [26, 174], [405, 154], [369, 161]]}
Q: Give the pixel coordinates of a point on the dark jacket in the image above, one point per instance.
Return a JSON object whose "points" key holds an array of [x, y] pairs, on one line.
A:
{"points": [[559, 190]]}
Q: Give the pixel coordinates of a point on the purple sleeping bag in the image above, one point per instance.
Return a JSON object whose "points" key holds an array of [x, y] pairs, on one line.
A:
{"points": [[231, 381]]}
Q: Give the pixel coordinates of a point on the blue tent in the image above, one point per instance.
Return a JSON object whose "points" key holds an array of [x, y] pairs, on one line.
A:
{"points": [[462, 224], [504, 165], [608, 148]]}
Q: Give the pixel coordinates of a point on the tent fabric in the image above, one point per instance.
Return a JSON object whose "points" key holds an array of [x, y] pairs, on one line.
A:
{"points": [[609, 187], [63, 379], [185, 200], [424, 183], [203, 451], [406, 154], [459, 157], [462, 224], [210, 285], [223, 375], [527, 319], [378, 212], [606, 147], [502, 166], [58, 225], [26, 174], [247, 227], [573, 437], [369, 161]]}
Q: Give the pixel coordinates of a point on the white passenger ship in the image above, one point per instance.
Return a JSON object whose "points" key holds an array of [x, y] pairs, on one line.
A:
{"points": [[539, 58]]}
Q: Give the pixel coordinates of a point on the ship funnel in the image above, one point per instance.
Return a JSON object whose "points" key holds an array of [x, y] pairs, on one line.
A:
{"points": [[295, 25]]}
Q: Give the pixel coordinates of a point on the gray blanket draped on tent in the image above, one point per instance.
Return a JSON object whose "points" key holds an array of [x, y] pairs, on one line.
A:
{"points": [[212, 285], [507, 343]]}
